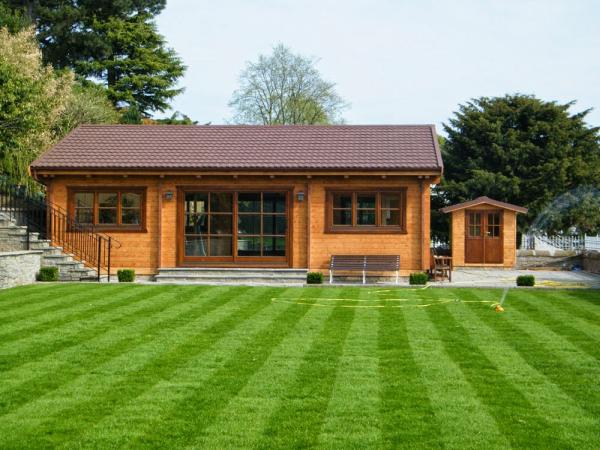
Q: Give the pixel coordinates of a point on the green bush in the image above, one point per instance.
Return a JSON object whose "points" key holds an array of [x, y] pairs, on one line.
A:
{"points": [[418, 278], [525, 280], [314, 278], [126, 275], [48, 274]]}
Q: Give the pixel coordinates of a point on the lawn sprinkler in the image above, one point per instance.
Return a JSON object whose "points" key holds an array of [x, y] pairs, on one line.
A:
{"points": [[498, 306]]}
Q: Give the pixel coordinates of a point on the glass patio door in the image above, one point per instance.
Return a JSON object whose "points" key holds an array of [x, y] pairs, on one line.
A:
{"points": [[244, 226]]}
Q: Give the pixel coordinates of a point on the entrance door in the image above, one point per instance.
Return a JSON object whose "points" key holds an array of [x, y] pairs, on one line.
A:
{"points": [[483, 237], [233, 228]]}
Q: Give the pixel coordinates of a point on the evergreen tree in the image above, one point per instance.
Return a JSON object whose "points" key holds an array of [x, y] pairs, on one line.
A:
{"points": [[115, 41], [521, 150]]}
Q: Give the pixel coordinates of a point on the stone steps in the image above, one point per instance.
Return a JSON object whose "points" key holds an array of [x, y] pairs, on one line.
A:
{"points": [[251, 276], [14, 238]]}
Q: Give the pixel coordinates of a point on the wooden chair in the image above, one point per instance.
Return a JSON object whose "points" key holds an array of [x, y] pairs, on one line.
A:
{"points": [[364, 264], [440, 266]]}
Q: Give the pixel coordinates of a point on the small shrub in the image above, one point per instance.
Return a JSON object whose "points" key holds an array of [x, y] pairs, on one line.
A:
{"points": [[48, 274], [525, 280], [418, 278], [314, 278], [126, 275]]}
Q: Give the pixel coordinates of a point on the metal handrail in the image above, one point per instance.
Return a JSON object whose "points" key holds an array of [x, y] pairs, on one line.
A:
{"points": [[52, 223]]}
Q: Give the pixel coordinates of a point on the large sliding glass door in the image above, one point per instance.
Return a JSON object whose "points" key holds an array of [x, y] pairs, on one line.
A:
{"points": [[244, 226]]}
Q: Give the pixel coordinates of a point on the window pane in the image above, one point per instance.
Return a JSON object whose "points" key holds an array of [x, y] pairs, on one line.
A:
{"points": [[131, 216], [390, 201], [366, 201], [342, 200], [196, 246], [249, 224], [83, 215], [221, 202], [248, 246], [221, 224], [107, 199], [273, 246], [249, 202], [274, 202], [196, 224], [220, 246], [196, 202], [274, 224], [474, 218], [493, 231], [494, 219], [365, 217], [84, 200], [390, 217], [130, 200], [475, 231], [107, 215], [342, 217]]}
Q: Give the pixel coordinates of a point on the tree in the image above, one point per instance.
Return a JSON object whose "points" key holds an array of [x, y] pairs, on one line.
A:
{"points": [[32, 100], [113, 41], [13, 20], [285, 88], [521, 150], [39, 105], [87, 103]]}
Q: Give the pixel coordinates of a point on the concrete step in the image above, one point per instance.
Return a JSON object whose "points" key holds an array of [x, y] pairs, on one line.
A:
{"points": [[295, 277]]}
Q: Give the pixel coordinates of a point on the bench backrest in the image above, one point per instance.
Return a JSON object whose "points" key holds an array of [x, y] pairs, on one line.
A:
{"points": [[365, 262]]}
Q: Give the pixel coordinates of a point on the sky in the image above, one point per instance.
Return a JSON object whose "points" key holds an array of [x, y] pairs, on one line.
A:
{"points": [[394, 62]]}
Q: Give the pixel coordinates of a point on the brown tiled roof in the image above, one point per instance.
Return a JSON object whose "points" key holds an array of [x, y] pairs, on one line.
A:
{"points": [[484, 201], [246, 147]]}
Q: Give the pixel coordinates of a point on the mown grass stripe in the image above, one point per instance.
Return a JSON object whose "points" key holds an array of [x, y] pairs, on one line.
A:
{"points": [[492, 386], [298, 421], [188, 418], [13, 298], [461, 417], [143, 368], [573, 306], [407, 416], [144, 413], [78, 303], [538, 310], [263, 392], [574, 372], [352, 418], [31, 382], [567, 420], [139, 303]]}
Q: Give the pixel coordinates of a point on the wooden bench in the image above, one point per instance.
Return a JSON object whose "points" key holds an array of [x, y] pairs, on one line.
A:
{"points": [[364, 264]]}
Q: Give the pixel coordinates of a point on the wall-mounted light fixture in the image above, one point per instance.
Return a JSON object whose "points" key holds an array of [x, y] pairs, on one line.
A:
{"points": [[169, 195], [300, 196]]}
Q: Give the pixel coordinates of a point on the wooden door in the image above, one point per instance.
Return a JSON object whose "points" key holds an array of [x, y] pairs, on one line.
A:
{"points": [[474, 250], [484, 243], [493, 237]]}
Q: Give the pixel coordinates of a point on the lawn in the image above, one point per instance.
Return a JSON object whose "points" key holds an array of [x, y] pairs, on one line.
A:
{"points": [[136, 366]]}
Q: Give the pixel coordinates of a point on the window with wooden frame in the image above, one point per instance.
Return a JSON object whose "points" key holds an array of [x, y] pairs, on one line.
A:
{"points": [[119, 209], [366, 211]]}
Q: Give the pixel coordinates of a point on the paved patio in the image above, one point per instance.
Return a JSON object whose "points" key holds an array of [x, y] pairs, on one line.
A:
{"points": [[475, 277]]}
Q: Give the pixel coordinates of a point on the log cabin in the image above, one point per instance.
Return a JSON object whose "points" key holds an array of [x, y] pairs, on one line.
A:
{"points": [[243, 196]]}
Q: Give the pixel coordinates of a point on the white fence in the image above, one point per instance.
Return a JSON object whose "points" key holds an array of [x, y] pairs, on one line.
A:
{"points": [[559, 242]]}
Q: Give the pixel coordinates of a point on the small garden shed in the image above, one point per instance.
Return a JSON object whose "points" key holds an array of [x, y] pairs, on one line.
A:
{"points": [[483, 232]]}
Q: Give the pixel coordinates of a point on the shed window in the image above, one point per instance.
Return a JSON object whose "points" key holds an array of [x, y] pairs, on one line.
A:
{"points": [[366, 211]]}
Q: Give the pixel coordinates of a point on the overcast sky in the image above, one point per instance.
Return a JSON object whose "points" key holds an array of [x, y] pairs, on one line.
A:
{"points": [[393, 61]]}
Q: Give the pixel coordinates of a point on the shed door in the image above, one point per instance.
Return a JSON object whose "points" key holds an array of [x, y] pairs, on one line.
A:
{"points": [[484, 237]]}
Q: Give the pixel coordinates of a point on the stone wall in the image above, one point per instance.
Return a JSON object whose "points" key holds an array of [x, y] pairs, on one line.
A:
{"points": [[19, 267], [591, 261], [538, 259]]}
